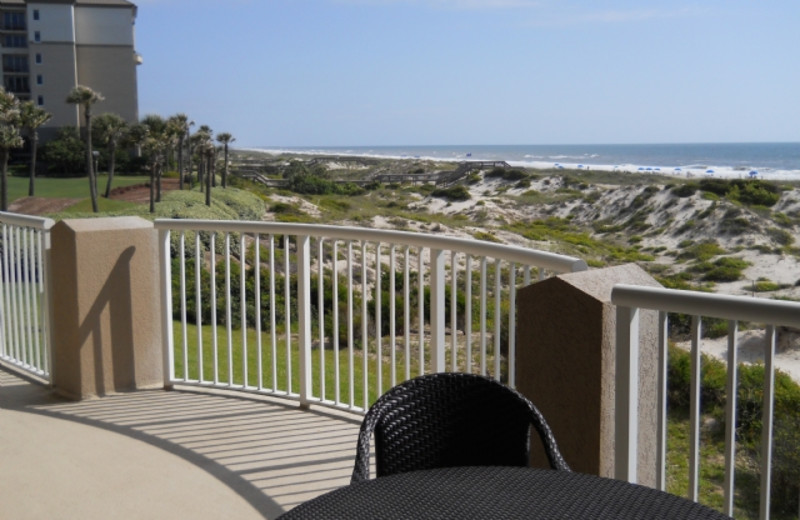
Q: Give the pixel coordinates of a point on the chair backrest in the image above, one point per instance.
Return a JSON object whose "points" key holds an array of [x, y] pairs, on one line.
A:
{"points": [[450, 419]]}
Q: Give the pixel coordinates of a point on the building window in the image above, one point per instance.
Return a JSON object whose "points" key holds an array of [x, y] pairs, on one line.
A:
{"points": [[35, 14], [40, 101], [39, 79], [15, 40], [38, 58], [37, 36], [17, 84], [13, 21], [15, 63]]}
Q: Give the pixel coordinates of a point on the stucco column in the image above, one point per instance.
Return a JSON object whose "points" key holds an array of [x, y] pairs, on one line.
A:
{"points": [[566, 357], [106, 307]]}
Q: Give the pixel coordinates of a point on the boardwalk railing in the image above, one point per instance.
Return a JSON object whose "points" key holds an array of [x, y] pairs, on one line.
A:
{"points": [[770, 314], [24, 293], [336, 315]]}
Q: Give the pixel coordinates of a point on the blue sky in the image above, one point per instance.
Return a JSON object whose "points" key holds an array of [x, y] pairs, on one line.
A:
{"points": [[434, 72]]}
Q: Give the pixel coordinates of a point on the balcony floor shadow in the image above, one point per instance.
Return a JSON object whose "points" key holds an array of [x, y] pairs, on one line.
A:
{"points": [[137, 454]]}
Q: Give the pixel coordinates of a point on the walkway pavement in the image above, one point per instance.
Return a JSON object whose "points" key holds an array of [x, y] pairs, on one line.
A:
{"points": [[164, 454]]}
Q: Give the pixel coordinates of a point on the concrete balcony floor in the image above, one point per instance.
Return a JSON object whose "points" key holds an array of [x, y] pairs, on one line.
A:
{"points": [[165, 454]]}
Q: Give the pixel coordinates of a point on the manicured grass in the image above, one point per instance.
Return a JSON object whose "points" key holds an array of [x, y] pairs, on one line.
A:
{"points": [[72, 188]]}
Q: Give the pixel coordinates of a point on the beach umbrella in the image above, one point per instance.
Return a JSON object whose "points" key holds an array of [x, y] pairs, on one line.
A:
{"points": [[753, 173]]}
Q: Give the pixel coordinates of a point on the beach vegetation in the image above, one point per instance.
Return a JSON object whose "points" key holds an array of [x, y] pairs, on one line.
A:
{"points": [[781, 236], [507, 174], [725, 269], [457, 193], [702, 252], [764, 285], [686, 189]]}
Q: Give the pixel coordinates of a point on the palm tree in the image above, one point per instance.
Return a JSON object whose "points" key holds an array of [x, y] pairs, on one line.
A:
{"points": [[225, 139], [157, 144], [10, 137], [181, 124], [86, 97], [110, 130], [32, 118], [203, 135]]}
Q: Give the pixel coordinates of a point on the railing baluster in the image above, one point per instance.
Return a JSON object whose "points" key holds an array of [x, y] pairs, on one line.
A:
{"points": [[663, 367], [5, 342], [392, 310], [421, 310], [437, 286], [184, 291], [228, 309], [257, 302], [212, 248], [167, 324], [243, 306], [512, 326], [198, 268], [378, 322], [364, 326], [303, 245], [272, 314], [287, 290], [468, 312], [483, 316], [351, 376], [453, 313], [694, 410], [730, 415], [767, 418], [407, 310], [335, 322], [321, 314], [36, 277], [27, 319], [627, 394]]}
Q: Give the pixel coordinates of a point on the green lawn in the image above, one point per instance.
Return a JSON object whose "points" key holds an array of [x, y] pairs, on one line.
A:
{"points": [[73, 188]]}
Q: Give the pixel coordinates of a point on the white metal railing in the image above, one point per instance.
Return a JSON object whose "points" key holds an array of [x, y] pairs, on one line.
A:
{"points": [[24, 293], [769, 313], [360, 310]]}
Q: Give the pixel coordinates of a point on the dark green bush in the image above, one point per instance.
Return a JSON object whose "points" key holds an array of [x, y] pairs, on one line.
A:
{"points": [[458, 193]]}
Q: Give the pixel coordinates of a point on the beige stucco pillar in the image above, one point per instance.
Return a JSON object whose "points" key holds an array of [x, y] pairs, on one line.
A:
{"points": [[566, 357], [106, 307]]}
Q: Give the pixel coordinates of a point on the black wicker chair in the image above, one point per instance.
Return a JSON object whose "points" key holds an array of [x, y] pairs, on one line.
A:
{"points": [[450, 419]]}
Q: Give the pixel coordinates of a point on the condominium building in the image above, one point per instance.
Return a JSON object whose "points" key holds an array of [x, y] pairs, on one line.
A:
{"points": [[50, 46]]}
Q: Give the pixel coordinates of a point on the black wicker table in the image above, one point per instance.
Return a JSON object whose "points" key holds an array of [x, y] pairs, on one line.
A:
{"points": [[498, 492]]}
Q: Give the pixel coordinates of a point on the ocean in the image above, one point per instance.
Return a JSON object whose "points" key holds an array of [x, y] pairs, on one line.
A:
{"points": [[774, 161]]}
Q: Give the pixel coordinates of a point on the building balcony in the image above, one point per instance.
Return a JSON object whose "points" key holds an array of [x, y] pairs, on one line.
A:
{"points": [[240, 356]]}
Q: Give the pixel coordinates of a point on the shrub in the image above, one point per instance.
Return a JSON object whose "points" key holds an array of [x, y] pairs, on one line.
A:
{"points": [[457, 193], [685, 190], [726, 269]]}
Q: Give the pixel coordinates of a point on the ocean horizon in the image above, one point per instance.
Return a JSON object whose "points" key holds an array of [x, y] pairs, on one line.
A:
{"points": [[771, 161]]}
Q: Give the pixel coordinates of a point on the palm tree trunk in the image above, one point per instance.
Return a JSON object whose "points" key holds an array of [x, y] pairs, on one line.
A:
{"points": [[152, 188], [34, 146], [90, 161], [225, 169], [180, 163], [111, 166], [209, 175]]}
